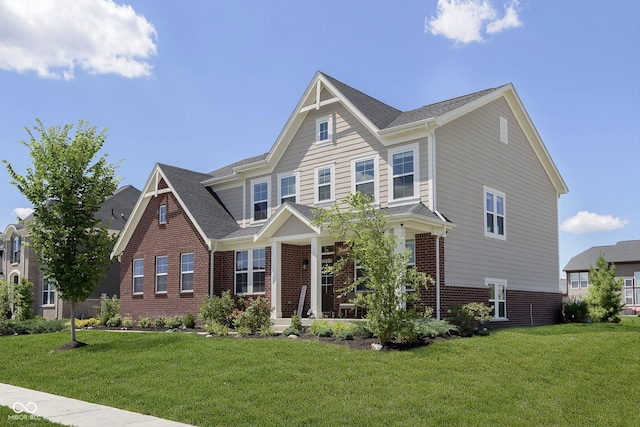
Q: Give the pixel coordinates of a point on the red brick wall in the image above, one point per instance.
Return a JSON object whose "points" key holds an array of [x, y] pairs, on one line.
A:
{"points": [[151, 239], [293, 277]]}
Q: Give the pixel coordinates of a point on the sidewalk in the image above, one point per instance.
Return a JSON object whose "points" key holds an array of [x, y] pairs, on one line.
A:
{"points": [[27, 403]]}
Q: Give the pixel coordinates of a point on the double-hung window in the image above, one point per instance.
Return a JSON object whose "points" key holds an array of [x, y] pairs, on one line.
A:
{"points": [[48, 292], [403, 180], [288, 187], [575, 280], [324, 130], [498, 297], [584, 279], [250, 271], [186, 272], [494, 209], [364, 176], [162, 215], [15, 249], [260, 198], [361, 276], [324, 184], [138, 275], [162, 268]]}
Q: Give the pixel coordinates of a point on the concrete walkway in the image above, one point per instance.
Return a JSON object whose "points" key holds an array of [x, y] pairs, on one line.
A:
{"points": [[30, 403]]}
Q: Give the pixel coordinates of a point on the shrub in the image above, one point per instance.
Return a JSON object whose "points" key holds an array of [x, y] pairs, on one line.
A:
{"points": [[266, 331], [23, 299], [575, 311], [144, 322], [243, 331], [173, 322], [5, 306], [296, 322], [219, 309], [84, 323], [36, 325], [218, 329], [127, 322], [343, 335], [110, 307], [432, 328], [324, 332], [603, 296], [319, 324], [469, 316], [114, 322], [189, 321], [291, 331], [362, 330], [256, 316], [161, 322], [340, 326]]}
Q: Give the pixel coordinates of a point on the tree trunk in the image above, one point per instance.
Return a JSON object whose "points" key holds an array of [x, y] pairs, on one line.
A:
{"points": [[73, 321]]}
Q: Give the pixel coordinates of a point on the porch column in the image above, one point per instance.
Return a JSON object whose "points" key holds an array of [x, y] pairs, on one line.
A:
{"points": [[276, 280], [316, 270]]}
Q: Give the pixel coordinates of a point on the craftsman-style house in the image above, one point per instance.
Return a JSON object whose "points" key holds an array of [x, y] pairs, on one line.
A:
{"points": [[467, 184]]}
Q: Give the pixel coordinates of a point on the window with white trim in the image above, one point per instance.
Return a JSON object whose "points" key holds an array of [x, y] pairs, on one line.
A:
{"points": [[288, 187], [497, 298], [403, 176], [504, 130], [584, 279], [324, 184], [364, 177], [494, 209], [162, 216], [162, 269], [48, 292], [186, 272], [324, 129], [16, 244], [575, 280], [138, 275], [250, 271], [260, 198], [628, 296]]}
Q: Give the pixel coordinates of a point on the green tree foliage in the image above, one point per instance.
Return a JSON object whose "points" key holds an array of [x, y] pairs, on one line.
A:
{"points": [[604, 293], [23, 299], [67, 187], [363, 229], [5, 300]]}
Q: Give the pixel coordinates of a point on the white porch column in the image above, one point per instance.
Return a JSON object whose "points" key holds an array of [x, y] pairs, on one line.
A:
{"points": [[316, 270], [276, 280]]}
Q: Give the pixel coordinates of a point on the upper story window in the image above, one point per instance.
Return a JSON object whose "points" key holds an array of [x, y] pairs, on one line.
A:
{"points": [[494, 213], [403, 179], [498, 298], [260, 198], [186, 272], [138, 275], [162, 269], [250, 271], [364, 176], [16, 244], [162, 216], [324, 129], [288, 187], [324, 184]]}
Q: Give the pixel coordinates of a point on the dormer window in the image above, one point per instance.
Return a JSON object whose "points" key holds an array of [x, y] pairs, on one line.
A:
{"points": [[324, 129]]}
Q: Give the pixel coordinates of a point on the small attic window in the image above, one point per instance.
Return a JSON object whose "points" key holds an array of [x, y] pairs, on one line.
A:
{"points": [[162, 217], [504, 130], [324, 130]]}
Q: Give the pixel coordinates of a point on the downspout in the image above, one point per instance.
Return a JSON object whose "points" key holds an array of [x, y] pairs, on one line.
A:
{"points": [[212, 269]]}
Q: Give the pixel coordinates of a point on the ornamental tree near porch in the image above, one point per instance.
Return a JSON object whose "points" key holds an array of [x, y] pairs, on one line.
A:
{"points": [[66, 190], [363, 229]]}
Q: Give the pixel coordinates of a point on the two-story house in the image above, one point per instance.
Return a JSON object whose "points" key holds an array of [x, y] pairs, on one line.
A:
{"points": [[18, 260], [467, 184]]}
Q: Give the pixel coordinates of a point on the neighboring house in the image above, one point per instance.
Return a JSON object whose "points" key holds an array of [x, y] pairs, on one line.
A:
{"points": [[18, 260], [626, 258], [467, 183]]}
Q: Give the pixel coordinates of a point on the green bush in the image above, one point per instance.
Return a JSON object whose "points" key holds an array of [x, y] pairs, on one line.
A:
{"points": [[218, 329], [189, 321], [291, 331], [256, 316], [243, 331], [144, 322], [110, 307], [23, 299], [319, 324], [161, 322], [36, 325], [296, 321], [5, 306], [361, 330], [431, 328], [341, 326], [469, 316], [127, 322], [218, 309], [173, 322], [114, 322], [575, 311], [343, 335]]}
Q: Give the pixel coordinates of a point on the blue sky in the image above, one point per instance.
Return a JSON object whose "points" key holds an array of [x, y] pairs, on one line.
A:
{"points": [[201, 84]]}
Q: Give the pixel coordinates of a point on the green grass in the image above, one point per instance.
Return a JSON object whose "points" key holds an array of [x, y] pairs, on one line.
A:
{"points": [[573, 374]]}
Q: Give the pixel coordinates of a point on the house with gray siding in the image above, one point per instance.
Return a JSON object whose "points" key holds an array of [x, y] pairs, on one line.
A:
{"points": [[467, 184], [625, 256]]}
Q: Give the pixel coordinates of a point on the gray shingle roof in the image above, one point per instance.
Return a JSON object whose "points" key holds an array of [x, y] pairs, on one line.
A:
{"points": [[118, 207], [205, 206], [625, 251], [417, 209], [228, 170]]}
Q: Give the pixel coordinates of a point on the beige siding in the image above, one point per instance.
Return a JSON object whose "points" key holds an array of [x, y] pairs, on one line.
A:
{"points": [[232, 200], [469, 156]]}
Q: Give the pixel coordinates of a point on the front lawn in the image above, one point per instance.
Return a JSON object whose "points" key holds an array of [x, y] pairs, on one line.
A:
{"points": [[573, 374]]}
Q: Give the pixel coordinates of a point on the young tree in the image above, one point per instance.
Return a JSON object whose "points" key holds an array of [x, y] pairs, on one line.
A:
{"points": [[66, 190], [604, 293], [374, 248], [23, 299]]}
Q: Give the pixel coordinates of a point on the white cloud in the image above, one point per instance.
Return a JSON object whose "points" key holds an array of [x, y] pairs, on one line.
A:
{"points": [[22, 213], [464, 20], [53, 38], [589, 222]]}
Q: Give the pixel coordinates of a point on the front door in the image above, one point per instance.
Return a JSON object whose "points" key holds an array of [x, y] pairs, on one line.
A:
{"points": [[327, 280]]}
